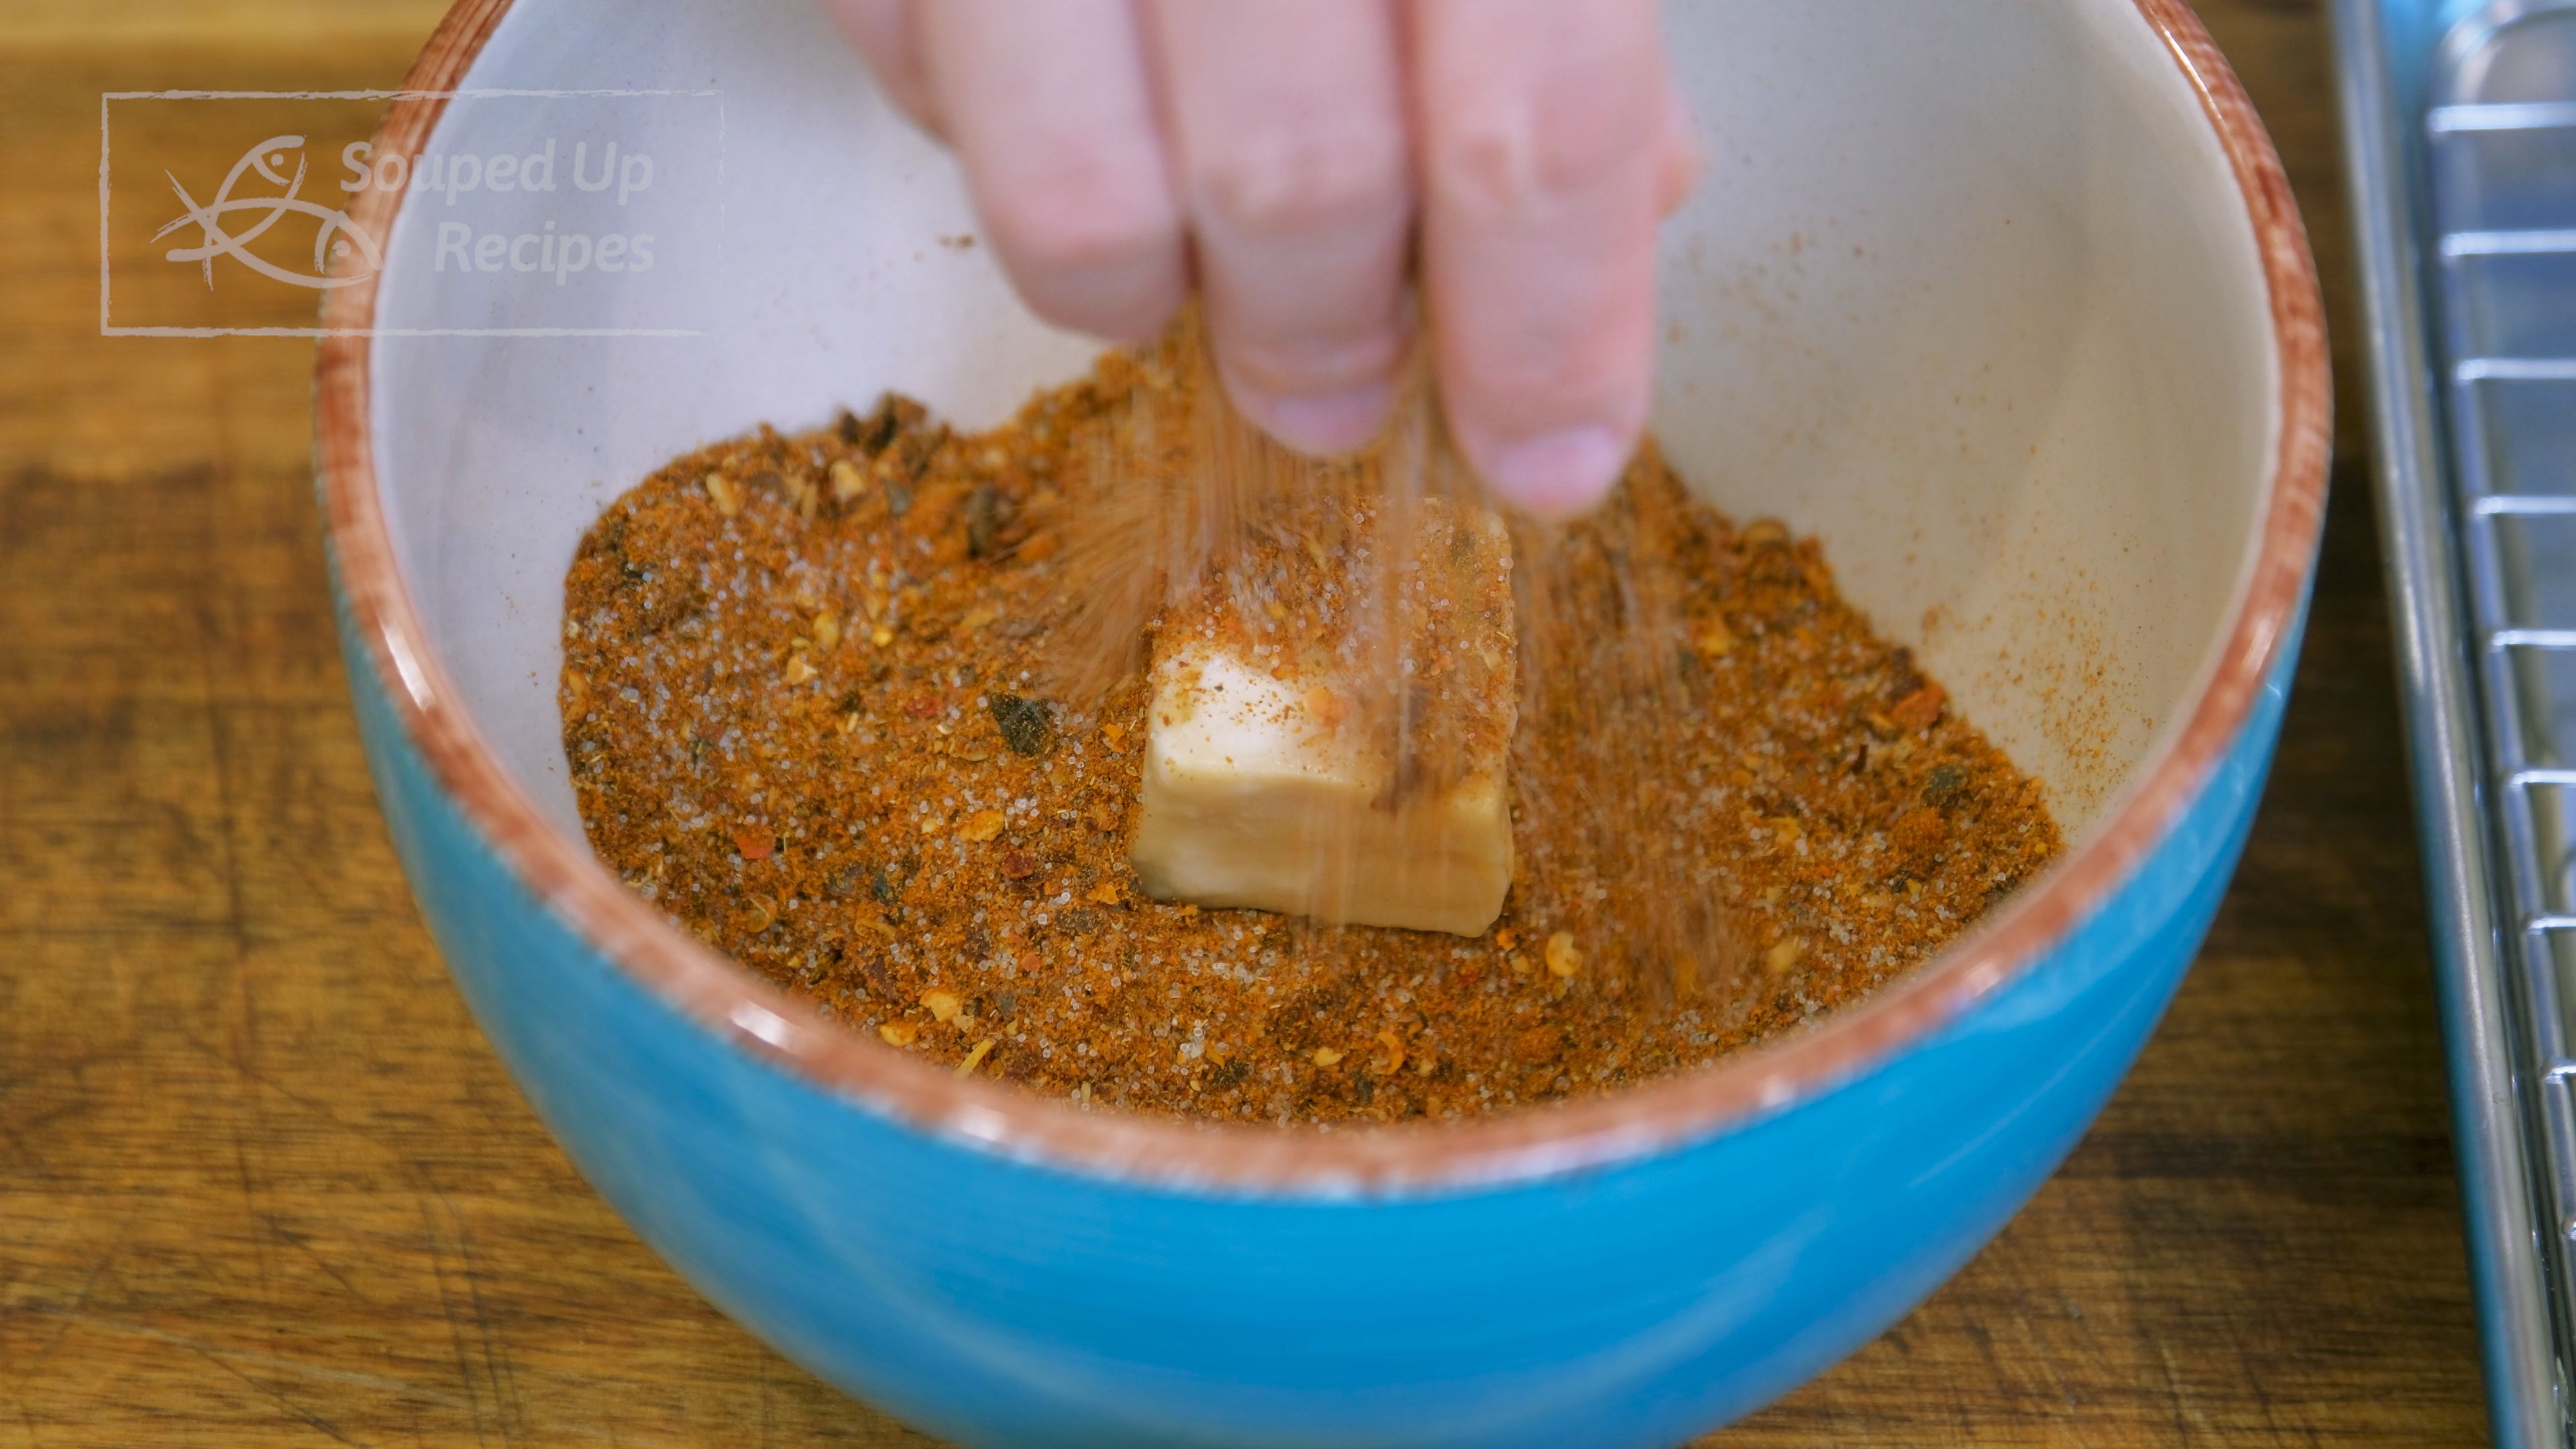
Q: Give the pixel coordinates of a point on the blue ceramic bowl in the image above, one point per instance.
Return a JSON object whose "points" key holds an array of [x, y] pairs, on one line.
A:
{"points": [[2012, 309]]}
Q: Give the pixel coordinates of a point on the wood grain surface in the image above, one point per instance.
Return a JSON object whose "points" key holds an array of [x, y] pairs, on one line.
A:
{"points": [[261, 1182]]}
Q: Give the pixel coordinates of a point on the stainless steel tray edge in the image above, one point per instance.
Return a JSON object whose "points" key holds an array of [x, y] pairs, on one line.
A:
{"points": [[2507, 1256]]}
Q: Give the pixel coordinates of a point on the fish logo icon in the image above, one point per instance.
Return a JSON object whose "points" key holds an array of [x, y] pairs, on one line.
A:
{"points": [[335, 237]]}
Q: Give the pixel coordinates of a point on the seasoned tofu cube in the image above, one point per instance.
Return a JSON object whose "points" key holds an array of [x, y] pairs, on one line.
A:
{"points": [[1303, 770]]}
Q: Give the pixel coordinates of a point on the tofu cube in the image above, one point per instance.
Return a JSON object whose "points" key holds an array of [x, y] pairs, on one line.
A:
{"points": [[1296, 767]]}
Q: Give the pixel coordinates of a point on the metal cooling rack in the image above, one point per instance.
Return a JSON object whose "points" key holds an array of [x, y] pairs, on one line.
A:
{"points": [[2500, 134], [2461, 129]]}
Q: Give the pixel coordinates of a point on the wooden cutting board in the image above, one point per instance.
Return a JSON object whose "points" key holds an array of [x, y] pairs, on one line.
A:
{"points": [[262, 1183]]}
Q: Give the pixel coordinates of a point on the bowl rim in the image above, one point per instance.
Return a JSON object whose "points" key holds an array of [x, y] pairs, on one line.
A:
{"points": [[1633, 1123]]}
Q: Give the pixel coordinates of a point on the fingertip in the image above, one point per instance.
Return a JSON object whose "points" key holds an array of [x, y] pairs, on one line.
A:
{"points": [[1320, 426], [883, 33], [1681, 156], [1124, 301], [1554, 475], [1087, 230]]}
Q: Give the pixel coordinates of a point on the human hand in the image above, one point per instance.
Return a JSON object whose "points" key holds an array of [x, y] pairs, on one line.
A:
{"points": [[1288, 156]]}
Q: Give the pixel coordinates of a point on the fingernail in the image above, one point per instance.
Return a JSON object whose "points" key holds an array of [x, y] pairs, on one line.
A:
{"points": [[1560, 474], [1341, 422]]}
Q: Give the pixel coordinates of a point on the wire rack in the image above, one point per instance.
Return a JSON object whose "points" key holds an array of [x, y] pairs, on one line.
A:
{"points": [[2499, 136]]}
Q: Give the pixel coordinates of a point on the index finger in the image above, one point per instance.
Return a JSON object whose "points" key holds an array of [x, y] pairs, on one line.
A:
{"points": [[1544, 138], [1051, 110], [887, 39], [1287, 119]]}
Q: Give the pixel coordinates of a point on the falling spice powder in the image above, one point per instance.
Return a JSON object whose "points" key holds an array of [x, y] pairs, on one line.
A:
{"points": [[806, 702]]}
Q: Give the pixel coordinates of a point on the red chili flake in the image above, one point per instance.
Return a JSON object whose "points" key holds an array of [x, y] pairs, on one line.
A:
{"points": [[1918, 833], [1019, 865], [754, 844], [1919, 710], [922, 706]]}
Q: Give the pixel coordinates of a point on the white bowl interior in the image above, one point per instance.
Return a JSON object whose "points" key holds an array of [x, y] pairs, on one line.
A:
{"points": [[1977, 301]]}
